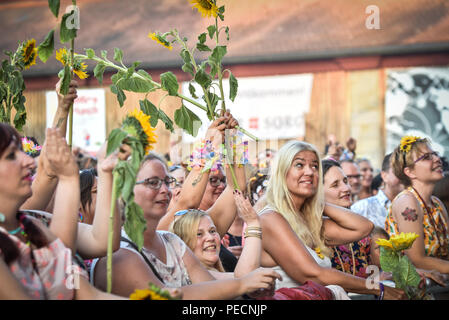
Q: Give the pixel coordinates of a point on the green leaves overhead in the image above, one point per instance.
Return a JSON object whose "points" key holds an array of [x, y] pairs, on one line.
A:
{"points": [[46, 48], [54, 6], [68, 29], [115, 139], [233, 86], [187, 120], [170, 83], [156, 114]]}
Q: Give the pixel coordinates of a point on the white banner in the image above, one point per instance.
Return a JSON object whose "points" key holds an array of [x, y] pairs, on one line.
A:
{"points": [[269, 107], [89, 118]]}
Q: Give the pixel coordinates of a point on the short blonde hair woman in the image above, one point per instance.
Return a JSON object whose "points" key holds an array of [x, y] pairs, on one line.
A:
{"points": [[298, 226], [415, 209]]}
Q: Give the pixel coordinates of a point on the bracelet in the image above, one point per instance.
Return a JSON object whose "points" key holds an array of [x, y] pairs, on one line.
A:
{"points": [[382, 291], [253, 233]]}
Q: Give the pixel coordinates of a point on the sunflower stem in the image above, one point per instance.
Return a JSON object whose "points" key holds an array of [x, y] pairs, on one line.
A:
{"points": [[111, 232]]}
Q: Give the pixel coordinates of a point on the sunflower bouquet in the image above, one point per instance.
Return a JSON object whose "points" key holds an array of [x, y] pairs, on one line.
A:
{"points": [[12, 84], [137, 132], [393, 259]]}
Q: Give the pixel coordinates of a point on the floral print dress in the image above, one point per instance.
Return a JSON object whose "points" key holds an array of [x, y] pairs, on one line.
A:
{"points": [[436, 237]]}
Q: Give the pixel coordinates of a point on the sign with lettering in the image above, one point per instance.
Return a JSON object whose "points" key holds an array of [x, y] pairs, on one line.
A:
{"points": [[89, 120], [269, 107]]}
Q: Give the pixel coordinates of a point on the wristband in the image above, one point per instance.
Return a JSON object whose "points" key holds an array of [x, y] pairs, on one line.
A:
{"points": [[382, 291]]}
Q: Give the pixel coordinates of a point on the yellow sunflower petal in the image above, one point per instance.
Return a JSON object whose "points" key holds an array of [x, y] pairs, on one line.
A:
{"points": [[206, 7], [160, 40], [29, 54], [144, 121], [61, 56], [384, 243]]}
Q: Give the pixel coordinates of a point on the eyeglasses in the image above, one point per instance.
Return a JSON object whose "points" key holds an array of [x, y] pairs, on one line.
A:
{"points": [[156, 183], [354, 176], [177, 184], [215, 182], [428, 156]]}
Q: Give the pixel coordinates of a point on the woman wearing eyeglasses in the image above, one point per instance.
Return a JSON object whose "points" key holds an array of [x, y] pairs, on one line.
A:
{"points": [[419, 168], [165, 260]]}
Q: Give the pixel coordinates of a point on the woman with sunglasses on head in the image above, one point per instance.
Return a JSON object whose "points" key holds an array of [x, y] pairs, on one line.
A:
{"points": [[299, 226], [165, 260], [419, 168]]}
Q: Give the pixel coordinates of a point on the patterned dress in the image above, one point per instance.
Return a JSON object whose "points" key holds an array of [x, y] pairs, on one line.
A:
{"points": [[436, 237], [353, 258]]}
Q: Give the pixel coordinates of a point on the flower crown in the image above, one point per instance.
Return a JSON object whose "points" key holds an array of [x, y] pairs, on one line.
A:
{"points": [[29, 147], [407, 142]]}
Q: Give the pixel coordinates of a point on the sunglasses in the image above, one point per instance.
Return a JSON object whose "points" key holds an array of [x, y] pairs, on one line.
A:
{"points": [[428, 156], [156, 183]]}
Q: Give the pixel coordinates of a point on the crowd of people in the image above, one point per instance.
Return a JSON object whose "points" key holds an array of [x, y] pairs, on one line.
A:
{"points": [[297, 225]]}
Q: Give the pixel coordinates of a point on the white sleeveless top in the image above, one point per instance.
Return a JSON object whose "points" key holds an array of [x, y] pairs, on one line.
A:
{"points": [[287, 282]]}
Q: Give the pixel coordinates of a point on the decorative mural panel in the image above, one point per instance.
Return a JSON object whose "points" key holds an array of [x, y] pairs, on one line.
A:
{"points": [[417, 103]]}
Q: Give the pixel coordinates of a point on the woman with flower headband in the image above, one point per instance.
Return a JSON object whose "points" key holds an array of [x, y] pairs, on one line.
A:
{"points": [[419, 168], [165, 260], [299, 227], [34, 263]]}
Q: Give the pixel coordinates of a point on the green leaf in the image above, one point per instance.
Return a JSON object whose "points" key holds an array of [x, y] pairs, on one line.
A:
{"points": [[188, 68], [54, 6], [170, 83], [217, 54], [115, 139], [144, 74], [104, 54], [150, 109], [21, 115], [202, 47], [233, 86], [121, 97], [407, 271], [192, 91], [45, 49], [66, 78], [227, 33], [134, 84], [99, 71], [90, 53], [118, 55], [135, 223], [67, 33], [166, 120], [211, 29], [202, 78], [187, 120], [388, 259], [202, 38]]}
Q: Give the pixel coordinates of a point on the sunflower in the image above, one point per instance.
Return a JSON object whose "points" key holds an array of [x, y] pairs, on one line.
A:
{"points": [[207, 8], [384, 243], [146, 294], [138, 125], [79, 69], [62, 56], [29, 53], [159, 39], [403, 240], [406, 143]]}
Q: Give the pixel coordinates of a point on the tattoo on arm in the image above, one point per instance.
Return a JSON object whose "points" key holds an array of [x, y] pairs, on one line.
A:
{"points": [[59, 123], [409, 214]]}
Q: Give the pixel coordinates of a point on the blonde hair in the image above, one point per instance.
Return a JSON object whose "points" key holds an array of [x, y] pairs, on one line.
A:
{"points": [[306, 221], [401, 160], [186, 227]]}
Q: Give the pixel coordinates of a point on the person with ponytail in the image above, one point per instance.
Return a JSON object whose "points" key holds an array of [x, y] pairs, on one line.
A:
{"points": [[419, 168]]}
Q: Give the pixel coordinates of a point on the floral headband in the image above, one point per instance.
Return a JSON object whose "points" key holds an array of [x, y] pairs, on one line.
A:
{"points": [[407, 142], [30, 148]]}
